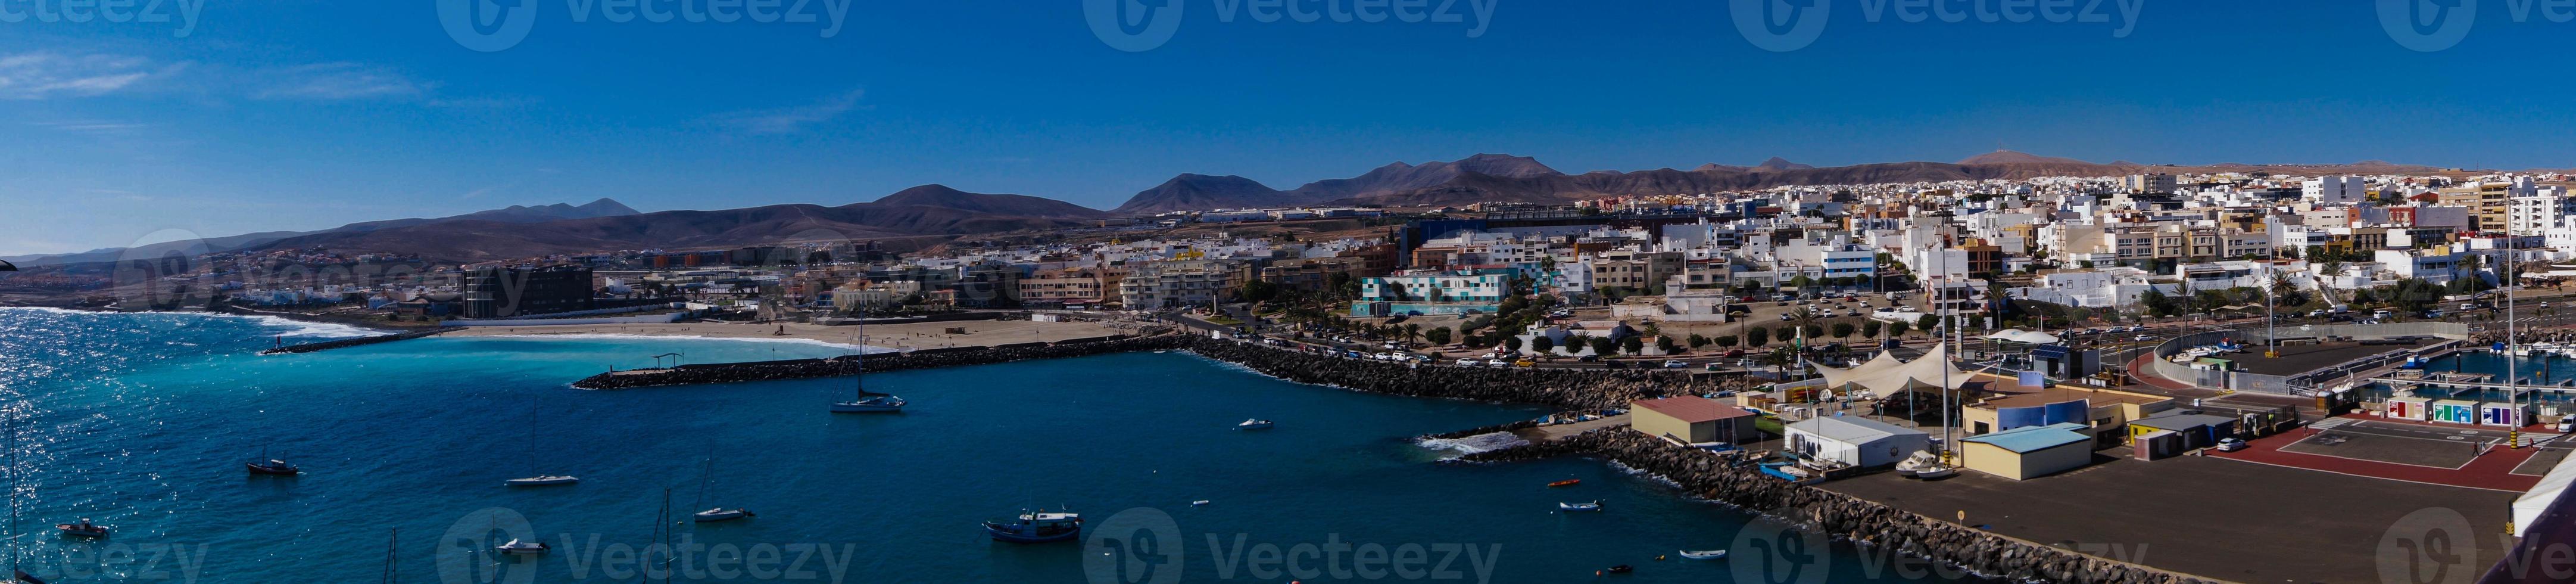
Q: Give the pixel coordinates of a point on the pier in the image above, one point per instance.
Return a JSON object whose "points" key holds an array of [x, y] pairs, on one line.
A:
{"points": [[346, 343]]}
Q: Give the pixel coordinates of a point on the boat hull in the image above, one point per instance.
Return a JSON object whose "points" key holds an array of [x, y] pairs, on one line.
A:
{"points": [[262, 469], [1007, 534], [716, 515], [869, 407], [540, 481], [70, 530]]}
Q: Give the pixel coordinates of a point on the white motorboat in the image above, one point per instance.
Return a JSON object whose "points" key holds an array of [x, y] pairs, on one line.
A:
{"points": [[1703, 554], [1592, 506], [522, 548], [1935, 472], [541, 481], [1254, 424], [719, 514], [1199, 503]]}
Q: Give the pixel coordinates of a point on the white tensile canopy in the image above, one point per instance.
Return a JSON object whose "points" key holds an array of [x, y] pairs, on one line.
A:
{"points": [[2023, 336], [1885, 375]]}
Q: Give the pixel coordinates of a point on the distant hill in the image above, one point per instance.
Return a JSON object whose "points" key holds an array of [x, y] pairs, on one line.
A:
{"points": [[514, 214], [933, 210], [1201, 192], [923, 210]]}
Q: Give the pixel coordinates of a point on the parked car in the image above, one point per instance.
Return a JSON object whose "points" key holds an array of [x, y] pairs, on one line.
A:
{"points": [[1524, 363], [2230, 444], [1674, 364], [2567, 425], [2142, 338], [1736, 353], [1497, 363], [1469, 362], [1588, 358]]}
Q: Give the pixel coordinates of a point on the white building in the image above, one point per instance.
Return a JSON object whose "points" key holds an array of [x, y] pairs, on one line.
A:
{"points": [[1859, 442], [2332, 190]]}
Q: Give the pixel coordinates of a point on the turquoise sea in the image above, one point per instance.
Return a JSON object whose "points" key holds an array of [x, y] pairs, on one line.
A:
{"points": [[142, 421]]}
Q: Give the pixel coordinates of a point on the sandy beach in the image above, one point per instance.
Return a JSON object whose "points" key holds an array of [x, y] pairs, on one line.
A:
{"points": [[918, 335]]}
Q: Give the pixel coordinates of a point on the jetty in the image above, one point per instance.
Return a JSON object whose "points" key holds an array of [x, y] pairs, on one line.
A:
{"points": [[346, 343]]}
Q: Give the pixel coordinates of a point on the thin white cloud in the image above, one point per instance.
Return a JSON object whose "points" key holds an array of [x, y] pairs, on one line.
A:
{"points": [[48, 75], [790, 120], [338, 81]]}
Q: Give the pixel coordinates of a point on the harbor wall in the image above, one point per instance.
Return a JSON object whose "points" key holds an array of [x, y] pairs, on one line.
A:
{"points": [[345, 343], [1564, 389], [1733, 479]]}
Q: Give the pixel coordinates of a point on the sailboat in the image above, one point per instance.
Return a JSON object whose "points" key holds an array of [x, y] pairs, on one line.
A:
{"points": [[715, 514], [866, 403], [534, 479]]}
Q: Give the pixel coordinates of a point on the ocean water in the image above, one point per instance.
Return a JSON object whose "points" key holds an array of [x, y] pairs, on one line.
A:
{"points": [[141, 422]]}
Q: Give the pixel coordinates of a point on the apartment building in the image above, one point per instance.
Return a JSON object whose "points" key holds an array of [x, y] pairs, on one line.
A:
{"points": [[1179, 283]]}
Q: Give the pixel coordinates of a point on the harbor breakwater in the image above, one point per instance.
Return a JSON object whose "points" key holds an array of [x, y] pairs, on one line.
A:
{"points": [[1570, 389], [345, 343], [1733, 478]]}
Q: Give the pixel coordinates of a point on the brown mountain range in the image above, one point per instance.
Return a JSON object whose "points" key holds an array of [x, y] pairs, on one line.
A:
{"points": [[935, 210]]}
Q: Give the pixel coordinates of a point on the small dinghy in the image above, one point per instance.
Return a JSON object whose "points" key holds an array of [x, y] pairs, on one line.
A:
{"points": [[1620, 569], [522, 548], [1703, 555], [1199, 503], [1592, 506], [82, 529], [1254, 424], [1566, 483]]}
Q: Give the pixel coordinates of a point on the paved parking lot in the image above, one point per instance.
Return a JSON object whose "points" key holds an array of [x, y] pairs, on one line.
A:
{"points": [[2198, 515]]}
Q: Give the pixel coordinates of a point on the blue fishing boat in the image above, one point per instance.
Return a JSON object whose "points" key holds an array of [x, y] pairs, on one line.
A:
{"points": [[1039, 527]]}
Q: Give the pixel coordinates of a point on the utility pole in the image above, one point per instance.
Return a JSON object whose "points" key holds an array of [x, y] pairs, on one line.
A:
{"points": [[2512, 385], [2271, 324]]}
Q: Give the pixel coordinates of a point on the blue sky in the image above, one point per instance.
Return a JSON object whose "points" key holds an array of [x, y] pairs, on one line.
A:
{"points": [[298, 114]]}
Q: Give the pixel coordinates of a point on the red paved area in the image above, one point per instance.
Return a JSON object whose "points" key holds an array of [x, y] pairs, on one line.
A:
{"points": [[2492, 470], [2144, 371]]}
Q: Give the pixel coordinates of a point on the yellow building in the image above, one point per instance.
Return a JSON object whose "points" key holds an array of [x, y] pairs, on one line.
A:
{"points": [[2106, 410], [2028, 452], [1692, 420]]}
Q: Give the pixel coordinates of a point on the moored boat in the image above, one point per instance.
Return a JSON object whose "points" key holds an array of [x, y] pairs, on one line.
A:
{"points": [[272, 467], [1592, 506], [522, 548], [82, 529], [1039, 527], [875, 404], [1253, 424], [1566, 483], [1703, 554], [540, 481], [720, 514]]}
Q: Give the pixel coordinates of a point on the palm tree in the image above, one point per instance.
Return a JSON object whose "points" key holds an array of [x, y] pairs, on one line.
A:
{"points": [[1412, 332]]}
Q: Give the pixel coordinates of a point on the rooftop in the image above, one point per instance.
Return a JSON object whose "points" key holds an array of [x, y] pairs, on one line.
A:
{"points": [[1693, 409], [2045, 396], [2034, 438]]}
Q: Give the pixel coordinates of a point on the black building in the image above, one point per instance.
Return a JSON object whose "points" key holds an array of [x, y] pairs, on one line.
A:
{"points": [[507, 292]]}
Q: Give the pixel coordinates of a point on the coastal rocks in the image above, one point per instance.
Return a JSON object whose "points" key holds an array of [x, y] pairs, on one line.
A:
{"points": [[845, 366], [1570, 389], [1733, 478]]}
